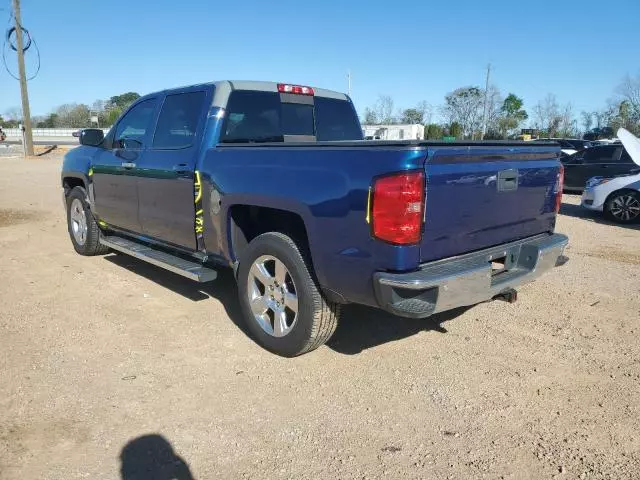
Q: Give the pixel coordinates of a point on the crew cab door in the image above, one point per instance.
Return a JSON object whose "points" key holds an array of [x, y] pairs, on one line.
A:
{"points": [[166, 174], [113, 167]]}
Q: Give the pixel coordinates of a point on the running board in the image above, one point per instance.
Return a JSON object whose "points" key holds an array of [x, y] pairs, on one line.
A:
{"points": [[192, 270]]}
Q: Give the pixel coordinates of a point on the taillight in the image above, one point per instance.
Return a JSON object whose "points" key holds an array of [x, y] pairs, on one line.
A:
{"points": [[295, 89], [398, 208], [559, 187]]}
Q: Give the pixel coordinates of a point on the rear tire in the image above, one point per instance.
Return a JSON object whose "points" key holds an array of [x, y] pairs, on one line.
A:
{"points": [[82, 226], [623, 207], [281, 302]]}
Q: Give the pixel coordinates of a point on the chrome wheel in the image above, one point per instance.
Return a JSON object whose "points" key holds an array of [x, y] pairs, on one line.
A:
{"points": [[625, 207], [78, 221], [272, 296]]}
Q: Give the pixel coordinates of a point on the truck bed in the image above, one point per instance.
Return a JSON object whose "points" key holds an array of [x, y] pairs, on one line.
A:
{"points": [[327, 184]]}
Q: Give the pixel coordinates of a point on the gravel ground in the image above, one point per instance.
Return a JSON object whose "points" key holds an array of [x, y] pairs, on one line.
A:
{"points": [[110, 367]]}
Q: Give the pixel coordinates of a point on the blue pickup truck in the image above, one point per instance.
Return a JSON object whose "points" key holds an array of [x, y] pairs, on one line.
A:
{"points": [[275, 181]]}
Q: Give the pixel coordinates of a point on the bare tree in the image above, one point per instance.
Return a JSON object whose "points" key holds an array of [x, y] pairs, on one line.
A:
{"points": [[384, 110], [629, 90], [72, 115], [566, 124], [13, 113], [370, 117], [587, 120], [426, 109], [546, 114], [494, 108]]}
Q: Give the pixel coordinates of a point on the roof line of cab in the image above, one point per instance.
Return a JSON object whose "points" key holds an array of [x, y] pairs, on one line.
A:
{"points": [[224, 88]]}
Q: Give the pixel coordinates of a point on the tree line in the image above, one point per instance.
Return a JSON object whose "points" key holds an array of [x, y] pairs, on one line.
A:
{"points": [[471, 113], [461, 115], [75, 115]]}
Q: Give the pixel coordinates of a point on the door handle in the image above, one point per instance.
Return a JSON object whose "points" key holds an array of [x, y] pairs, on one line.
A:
{"points": [[128, 165]]}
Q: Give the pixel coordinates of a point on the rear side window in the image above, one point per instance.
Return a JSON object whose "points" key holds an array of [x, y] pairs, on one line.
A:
{"points": [[626, 158], [255, 116], [617, 152], [599, 155], [336, 120], [178, 120]]}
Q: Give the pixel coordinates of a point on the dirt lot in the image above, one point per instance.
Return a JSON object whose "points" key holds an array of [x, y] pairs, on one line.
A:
{"points": [[109, 366]]}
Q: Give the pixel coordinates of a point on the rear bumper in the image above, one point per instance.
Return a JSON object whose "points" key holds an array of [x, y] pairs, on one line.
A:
{"points": [[468, 279]]}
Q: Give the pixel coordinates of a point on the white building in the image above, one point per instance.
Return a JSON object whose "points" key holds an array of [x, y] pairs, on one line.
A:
{"points": [[393, 132]]}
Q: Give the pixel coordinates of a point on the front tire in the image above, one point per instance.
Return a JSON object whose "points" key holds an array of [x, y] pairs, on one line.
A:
{"points": [[623, 207], [281, 302], [83, 228]]}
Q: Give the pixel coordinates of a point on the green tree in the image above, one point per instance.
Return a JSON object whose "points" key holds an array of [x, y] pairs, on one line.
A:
{"points": [[463, 106], [124, 100], [412, 116], [455, 130], [433, 132], [50, 121], [511, 116]]}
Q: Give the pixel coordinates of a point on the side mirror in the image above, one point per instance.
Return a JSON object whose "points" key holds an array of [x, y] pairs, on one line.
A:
{"points": [[91, 137]]}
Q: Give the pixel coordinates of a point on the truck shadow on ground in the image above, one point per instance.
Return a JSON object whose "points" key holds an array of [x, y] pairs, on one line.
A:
{"points": [[359, 328], [576, 211]]}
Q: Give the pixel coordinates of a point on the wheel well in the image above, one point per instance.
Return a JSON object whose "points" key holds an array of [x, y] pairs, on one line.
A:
{"points": [[618, 192], [248, 221], [69, 183]]}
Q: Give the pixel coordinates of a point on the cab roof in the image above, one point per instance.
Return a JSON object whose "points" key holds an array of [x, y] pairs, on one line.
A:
{"points": [[224, 88]]}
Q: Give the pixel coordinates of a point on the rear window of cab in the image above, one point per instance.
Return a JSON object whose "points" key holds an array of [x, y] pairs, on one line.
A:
{"points": [[255, 116]]}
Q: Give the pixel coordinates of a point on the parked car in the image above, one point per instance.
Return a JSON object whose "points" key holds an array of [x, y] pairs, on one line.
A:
{"points": [[617, 197], [604, 141], [579, 144], [599, 161], [568, 146], [276, 182]]}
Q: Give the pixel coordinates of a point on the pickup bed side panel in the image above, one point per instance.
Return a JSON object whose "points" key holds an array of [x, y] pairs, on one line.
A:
{"points": [[328, 188]]}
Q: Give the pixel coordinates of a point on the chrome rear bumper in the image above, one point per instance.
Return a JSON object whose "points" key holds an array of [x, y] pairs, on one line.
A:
{"points": [[468, 279]]}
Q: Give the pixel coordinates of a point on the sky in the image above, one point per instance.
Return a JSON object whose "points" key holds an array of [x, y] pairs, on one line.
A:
{"points": [[412, 51]]}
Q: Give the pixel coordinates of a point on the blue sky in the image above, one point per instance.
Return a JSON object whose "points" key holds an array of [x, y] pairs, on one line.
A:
{"points": [[413, 51]]}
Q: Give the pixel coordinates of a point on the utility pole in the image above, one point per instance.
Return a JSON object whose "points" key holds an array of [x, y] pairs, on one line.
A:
{"points": [[349, 80], [486, 103], [26, 112]]}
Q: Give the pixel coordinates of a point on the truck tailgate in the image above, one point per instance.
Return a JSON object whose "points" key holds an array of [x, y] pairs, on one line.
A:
{"points": [[478, 197]]}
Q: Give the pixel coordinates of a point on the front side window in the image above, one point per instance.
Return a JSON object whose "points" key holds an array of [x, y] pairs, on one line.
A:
{"points": [[133, 127], [178, 120]]}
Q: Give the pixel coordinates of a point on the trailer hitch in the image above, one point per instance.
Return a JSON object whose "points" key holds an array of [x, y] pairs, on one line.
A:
{"points": [[509, 295]]}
